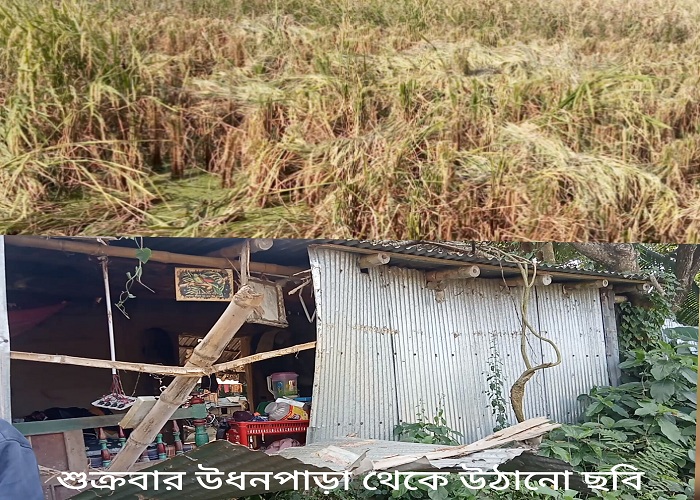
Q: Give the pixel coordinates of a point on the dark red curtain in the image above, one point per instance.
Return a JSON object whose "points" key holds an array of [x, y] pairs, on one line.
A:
{"points": [[26, 319]]}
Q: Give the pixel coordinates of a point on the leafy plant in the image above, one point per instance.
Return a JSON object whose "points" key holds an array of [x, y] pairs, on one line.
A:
{"points": [[143, 255], [494, 379], [648, 422], [428, 431]]}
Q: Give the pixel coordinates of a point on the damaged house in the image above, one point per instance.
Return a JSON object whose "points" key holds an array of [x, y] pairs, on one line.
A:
{"points": [[381, 330]]}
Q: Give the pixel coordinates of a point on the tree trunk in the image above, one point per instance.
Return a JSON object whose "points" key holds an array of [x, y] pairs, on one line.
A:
{"points": [[548, 253], [617, 257], [687, 268]]}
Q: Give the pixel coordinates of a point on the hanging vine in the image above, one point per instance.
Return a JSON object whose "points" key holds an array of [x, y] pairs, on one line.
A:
{"points": [[143, 255], [517, 391]]}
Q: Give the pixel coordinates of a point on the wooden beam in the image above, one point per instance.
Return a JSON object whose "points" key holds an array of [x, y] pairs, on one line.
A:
{"points": [[487, 267], [71, 424], [234, 251], [156, 256], [173, 371], [373, 260], [619, 299], [177, 392], [458, 273], [645, 288], [231, 365], [5, 393], [612, 348], [540, 280], [590, 284]]}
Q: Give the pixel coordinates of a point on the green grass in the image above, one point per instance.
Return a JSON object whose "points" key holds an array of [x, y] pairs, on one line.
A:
{"points": [[441, 119]]}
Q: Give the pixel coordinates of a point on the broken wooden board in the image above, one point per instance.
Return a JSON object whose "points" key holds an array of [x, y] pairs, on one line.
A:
{"points": [[519, 432]]}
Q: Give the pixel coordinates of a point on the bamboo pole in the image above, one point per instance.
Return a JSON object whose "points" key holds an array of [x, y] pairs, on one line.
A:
{"points": [[108, 303], [540, 280], [238, 363], [204, 355], [256, 245], [156, 256], [453, 274], [588, 284], [171, 371], [375, 260]]}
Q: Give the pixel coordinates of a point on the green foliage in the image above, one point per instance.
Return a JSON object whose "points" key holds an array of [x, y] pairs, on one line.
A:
{"points": [[428, 431], [494, 379], [641, 326], [647, 422], [682, 334]]}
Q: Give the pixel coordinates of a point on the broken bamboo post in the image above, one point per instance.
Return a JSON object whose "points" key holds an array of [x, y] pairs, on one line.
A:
{"points": [[156, 256], [374, 260], [203, 356], [453, 274]]}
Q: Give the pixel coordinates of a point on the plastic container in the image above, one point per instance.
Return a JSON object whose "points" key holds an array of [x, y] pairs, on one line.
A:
{"points": [[244, 432], [283, 385], [285, 411]]}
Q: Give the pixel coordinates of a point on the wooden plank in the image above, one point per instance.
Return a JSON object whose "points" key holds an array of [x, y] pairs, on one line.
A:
{"points": [[70, 424], [75, 451], [5, 393], [612, 348], [157, 255]]}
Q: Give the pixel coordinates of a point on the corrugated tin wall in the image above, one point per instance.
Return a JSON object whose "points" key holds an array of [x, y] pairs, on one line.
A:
{"points": [[386, 345]]}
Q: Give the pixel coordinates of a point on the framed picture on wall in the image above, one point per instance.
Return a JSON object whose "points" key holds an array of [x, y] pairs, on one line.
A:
{"points": [[201, 284]]}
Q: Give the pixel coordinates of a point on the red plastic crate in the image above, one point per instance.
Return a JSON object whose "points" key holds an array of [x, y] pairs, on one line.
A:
{"points": [[244, 432]]}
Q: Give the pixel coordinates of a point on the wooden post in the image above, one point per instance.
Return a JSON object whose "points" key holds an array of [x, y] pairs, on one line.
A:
{"points": [[203, 356], [246, 351], [374, 260], [612, 349], [122, 438], [459, 273], [176, 437], [160, 446], [5, 394], [104, 451]]}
